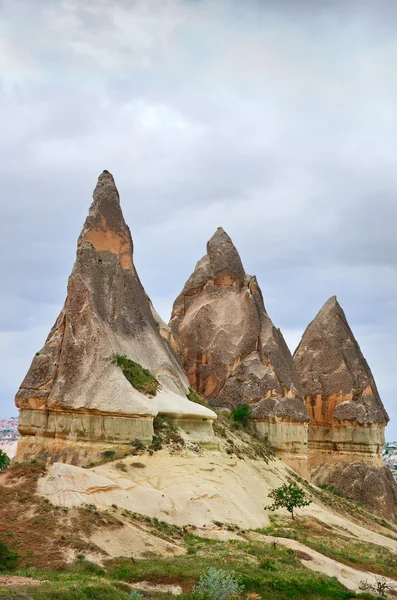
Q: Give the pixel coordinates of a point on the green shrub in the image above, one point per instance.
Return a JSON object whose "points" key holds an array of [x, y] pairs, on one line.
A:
{"points": [[8, 559], [241, 414], [218, 584], [108, 454], [141, 379], [137, 444]]}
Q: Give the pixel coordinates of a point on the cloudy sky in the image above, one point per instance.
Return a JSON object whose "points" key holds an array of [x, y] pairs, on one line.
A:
{"points": [[273, 118]]}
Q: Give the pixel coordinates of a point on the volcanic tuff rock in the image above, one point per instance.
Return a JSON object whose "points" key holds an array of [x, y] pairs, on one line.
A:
{"points": [[231, 351], [74, 403], [346, 433]]}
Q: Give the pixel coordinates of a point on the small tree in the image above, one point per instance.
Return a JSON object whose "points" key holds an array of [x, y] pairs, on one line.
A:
{"points": [[4, 460], [288, 496]]}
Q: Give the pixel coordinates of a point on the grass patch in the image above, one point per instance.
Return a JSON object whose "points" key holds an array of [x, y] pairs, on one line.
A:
{"points": [[272, 572], [339, 546], [193, 396], [242, 442], [165, 432], [141, 379]]}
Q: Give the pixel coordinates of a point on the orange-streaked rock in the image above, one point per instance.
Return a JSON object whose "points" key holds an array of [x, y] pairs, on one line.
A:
{"points": [[74, 402], [348, 417], [231, 351]]}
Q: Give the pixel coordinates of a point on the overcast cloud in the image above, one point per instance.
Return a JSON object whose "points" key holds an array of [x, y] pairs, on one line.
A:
{"points": [[275, 119]]}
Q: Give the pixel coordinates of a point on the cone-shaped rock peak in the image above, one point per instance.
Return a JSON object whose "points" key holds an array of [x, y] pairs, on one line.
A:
{"points": [[346, 432], [74, 401], [231, 351], [105, 227], [330, 364]]}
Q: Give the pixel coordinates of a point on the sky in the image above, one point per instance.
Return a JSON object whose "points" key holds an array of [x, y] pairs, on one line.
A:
{"points": [[274, 119]]}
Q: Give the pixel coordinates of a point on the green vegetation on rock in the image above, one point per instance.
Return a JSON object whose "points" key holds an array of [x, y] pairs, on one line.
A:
{"points": [[141, 379], [241, 414], [193, 396]]}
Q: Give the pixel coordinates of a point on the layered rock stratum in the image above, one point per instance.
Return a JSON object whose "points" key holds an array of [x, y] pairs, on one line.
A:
{"points": [[346, 432], [74, 402], [233, 354]]}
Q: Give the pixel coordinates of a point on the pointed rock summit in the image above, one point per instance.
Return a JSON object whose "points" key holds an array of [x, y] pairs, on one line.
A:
{"points": [[346, 433], [75, 402], [233, 354]]}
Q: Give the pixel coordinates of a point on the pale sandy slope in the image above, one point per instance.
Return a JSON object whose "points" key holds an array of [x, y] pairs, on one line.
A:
{"points": [[188, 489], [198, 490]]}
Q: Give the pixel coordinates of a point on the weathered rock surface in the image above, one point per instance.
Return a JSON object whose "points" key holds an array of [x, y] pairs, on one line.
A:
{"points": [[346, 433], [233, 354], [74, 403]]}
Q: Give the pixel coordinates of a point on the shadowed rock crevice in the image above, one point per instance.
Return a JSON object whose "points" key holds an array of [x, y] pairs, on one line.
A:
{"points": [[231, 351], [72, 391], [346, 432]]}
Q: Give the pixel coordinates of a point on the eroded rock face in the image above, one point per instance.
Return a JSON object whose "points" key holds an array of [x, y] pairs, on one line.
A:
{"points": [[231, 351], [346, 433], [74, 403]]}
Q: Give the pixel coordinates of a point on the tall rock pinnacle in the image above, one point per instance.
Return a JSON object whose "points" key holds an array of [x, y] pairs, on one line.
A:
{"points": [[346, 433], [74, 402], [233, 354]]}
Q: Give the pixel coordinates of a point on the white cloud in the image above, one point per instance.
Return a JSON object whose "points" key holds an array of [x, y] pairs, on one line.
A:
{"points": [[278, 124]]}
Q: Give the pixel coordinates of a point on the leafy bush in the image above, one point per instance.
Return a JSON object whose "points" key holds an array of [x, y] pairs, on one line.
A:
{"points": [[8, 559], [241, 414], [4, 460], [288, 496], [218, 584], [137, 444], [141, 379], [108, 454]]}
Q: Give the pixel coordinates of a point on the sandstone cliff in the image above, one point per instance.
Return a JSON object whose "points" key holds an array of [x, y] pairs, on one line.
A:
{"points": [[74, 402], [233, 354], [346, 433]]}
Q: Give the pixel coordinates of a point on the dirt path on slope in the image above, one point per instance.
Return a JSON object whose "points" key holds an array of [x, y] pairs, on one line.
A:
{"points": [[16, 580], [348, 576]]}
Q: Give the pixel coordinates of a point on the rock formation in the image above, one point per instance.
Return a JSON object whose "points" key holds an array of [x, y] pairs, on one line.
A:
{"points": [[233, 354], [74, 402], [346, 433]]}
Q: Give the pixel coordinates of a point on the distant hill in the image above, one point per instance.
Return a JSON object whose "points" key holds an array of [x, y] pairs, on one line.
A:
{"points": [[9, 435]]}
